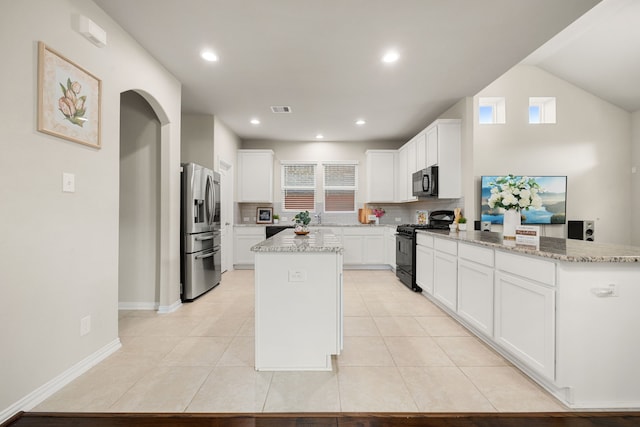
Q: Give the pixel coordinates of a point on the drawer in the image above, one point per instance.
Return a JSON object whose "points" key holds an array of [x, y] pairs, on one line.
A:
{"points": [[446, 246], [423, 239], [529, 267], [475, 253]]}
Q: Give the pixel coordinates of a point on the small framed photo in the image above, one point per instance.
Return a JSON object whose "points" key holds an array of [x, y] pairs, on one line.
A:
{"points": [[68, 99], [264, 216]]}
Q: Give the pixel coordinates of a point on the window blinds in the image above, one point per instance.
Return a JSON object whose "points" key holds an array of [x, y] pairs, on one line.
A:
{"points": [[340, 185], [299, 187]]}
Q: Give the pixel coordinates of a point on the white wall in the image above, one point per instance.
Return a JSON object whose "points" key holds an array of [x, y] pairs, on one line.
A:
{"points": [[226, 143], [197, 139], [59, 251], [635, 178], [591, 144], [138, 261]]}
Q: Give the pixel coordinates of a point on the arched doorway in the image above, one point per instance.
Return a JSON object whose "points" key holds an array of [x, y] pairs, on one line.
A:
{"points": [[139, 221]]}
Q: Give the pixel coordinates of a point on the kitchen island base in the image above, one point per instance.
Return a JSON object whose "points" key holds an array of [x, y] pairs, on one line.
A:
{"points": [[298, 308]]}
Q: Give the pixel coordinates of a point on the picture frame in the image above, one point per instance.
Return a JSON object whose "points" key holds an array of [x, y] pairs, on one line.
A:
{"points": [[69, 99], [264, 216]]}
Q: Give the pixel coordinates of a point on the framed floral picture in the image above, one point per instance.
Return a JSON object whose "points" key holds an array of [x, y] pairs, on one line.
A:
{"points": [[68, 99], [264, 216]]}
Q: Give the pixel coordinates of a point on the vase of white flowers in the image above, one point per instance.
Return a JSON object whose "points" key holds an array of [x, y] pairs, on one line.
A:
{"points": [[514, 194]]}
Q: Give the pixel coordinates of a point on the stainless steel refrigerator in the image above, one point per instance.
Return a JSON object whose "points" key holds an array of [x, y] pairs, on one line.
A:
{"points": [[200, 266]]}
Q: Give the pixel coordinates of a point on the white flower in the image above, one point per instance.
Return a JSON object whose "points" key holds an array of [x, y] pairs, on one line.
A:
{"points": [[514, 192]]}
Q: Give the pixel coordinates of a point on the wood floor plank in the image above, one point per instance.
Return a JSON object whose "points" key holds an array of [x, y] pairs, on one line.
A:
{"points": [[568, 419]]}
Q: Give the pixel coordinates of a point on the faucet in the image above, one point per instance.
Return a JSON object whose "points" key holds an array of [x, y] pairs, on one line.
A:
{"points": [[318, 216]]}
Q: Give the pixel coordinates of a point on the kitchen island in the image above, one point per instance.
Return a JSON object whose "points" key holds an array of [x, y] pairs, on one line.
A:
{"points": [[298, 295], [565, 312]]}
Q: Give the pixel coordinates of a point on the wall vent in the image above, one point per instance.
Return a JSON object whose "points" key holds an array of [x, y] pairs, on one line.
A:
{"points": [[280, 109]]}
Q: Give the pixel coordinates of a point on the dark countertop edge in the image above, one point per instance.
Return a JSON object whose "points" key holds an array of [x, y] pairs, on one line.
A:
{"points": [[550, 247]]}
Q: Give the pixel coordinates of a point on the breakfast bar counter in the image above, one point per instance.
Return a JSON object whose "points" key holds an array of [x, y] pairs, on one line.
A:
{"points": [[565, 312], [298, 295]]}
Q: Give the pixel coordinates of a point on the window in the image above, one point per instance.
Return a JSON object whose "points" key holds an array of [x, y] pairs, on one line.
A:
{"points": [[542, 110], [492, 110], [298, 186], [340, 185]]}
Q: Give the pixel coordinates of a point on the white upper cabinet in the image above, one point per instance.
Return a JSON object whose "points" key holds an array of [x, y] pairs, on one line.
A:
{"points": [[431, 146], [381, 175], [255, 176], [449, 158]]}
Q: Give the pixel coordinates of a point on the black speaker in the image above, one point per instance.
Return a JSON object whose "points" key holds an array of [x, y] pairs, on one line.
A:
{"points": [[581, 230]]}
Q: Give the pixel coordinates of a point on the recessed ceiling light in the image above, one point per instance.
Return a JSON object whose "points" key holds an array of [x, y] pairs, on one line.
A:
{"points": [[390, 56], [255, 121], [319, 136], [360, 122], [210, 56]]}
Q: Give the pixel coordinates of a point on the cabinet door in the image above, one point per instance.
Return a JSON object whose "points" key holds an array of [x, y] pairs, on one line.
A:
{"points": [[381, 175], [245, 238], [525, 321], [445, 279], [373, 249], [352, 249], [255, 176], [424, 268], [431, 147], [390, 249], [475, 295], [421, 152], [402, 175]]}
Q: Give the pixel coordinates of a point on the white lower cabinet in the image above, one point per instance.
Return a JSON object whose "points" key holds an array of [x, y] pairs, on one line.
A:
{"points": [[364, 246], [445, 278], [475, 295], [525, 321], [390, 247], [245, 238], [424, 268]]}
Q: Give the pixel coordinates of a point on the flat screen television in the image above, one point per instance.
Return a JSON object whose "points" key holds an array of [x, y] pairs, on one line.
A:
{"points": [[552, 211]]}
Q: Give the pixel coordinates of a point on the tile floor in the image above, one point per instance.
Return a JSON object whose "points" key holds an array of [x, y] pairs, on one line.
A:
{"points": [[401, 354]]}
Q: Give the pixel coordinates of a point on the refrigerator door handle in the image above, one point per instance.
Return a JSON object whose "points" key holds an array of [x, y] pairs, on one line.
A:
{"points": [[209, 200], [202, 238], [208, 255]]}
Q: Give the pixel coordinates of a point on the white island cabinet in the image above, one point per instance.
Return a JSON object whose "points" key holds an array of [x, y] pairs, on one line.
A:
{"points": [[298, 295], [565, 313]]}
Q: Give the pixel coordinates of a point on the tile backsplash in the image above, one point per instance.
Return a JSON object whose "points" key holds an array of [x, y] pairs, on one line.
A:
{"points": [[395, 213]]}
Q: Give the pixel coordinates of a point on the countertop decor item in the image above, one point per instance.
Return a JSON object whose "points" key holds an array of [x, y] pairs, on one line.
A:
{"points": [[513, 194], [302, 220], [264, 216]]}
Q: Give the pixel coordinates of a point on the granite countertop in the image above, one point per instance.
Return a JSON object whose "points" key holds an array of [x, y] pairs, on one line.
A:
{"points": [[550, 247], [316, 241], [328, 224]]}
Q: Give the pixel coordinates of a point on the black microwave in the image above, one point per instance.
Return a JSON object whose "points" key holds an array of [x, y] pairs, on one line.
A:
{"points": [[425, 182]]}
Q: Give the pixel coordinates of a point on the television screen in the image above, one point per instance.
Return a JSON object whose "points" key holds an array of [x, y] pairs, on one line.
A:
{"points": [[552, 211]]}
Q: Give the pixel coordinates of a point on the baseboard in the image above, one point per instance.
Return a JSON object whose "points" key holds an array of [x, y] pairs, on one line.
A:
{"points": [[45, 391], [137, 305], [165, 309]]}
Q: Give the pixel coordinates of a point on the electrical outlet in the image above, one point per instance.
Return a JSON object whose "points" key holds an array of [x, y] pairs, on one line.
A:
{"points": [[245, 219], [297, 275], [398, 219], [85, 325]]}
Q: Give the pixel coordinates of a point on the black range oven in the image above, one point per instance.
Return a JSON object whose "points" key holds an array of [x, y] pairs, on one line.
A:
{"points": [[406, 254], [406, 246]]}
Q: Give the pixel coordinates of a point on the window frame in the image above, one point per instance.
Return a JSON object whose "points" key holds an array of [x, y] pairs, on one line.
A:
{"points": [[353, 187], [284, 187]]}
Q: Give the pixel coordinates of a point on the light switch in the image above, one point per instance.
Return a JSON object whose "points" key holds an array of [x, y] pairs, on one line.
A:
{"points": [[68, 182]]}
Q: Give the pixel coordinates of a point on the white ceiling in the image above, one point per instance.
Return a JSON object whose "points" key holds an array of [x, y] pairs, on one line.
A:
{"points": [[600, 53], [322, 58]]}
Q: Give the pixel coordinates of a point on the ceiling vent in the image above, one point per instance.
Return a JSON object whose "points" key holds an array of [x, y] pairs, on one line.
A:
{"points": [[280, 109]]}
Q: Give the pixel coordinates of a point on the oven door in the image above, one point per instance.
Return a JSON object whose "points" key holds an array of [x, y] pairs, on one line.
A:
{"points": [[404, 259]]}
